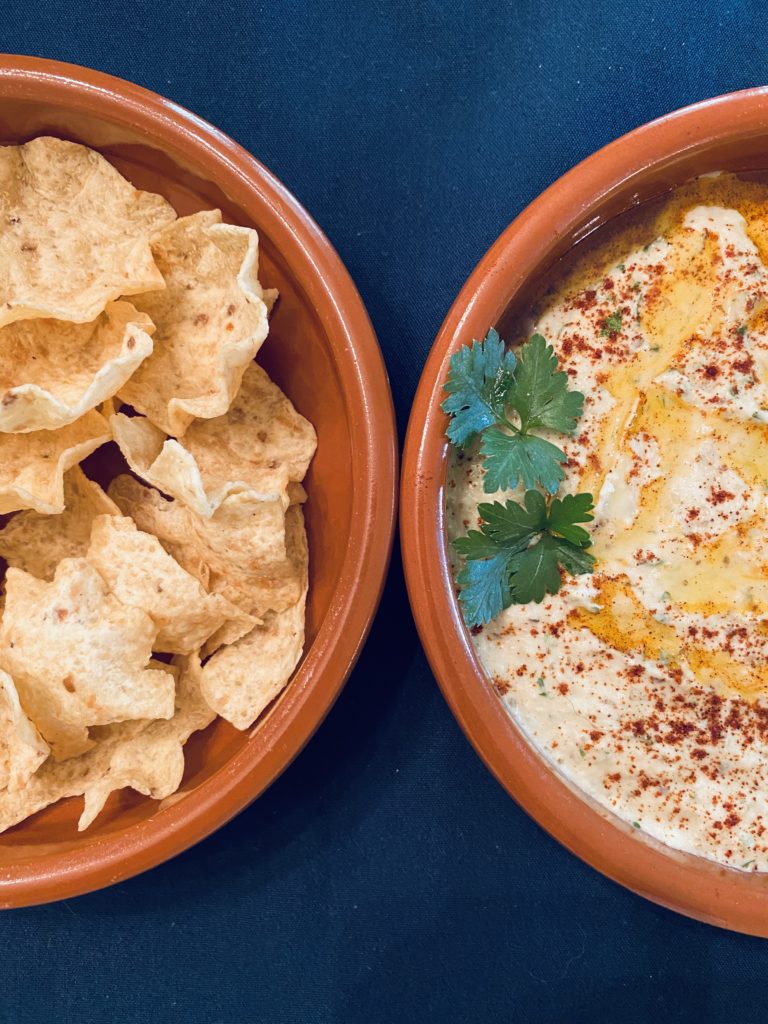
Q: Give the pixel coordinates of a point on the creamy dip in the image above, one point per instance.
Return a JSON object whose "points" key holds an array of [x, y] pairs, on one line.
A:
{"points": [[646, 683]]}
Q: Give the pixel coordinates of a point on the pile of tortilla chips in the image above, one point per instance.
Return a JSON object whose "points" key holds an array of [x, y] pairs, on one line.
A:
{"points": [[132, 616]]}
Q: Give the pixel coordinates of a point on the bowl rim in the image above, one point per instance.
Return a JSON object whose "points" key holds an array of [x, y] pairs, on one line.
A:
{"points": [[342, 632], [685, 883]]}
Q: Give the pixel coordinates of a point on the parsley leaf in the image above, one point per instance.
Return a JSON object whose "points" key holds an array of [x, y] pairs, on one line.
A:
{"points": [[540, 394], [477, 386], [512, 523], [574, 559], [565, 512], [534, 572], [484, 589], [517, 554], [523, 457], [476, 545]]}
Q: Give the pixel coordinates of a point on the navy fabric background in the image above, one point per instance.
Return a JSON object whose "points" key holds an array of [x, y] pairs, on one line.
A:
{"points": [[386, 876]]}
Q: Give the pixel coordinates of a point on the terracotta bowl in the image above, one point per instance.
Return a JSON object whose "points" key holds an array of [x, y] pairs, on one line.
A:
{"points": [[323, 353], [727, 133]]}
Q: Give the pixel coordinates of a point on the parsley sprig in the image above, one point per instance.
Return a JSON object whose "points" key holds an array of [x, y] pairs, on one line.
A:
{"points": [[506, 399], [518, 552]]}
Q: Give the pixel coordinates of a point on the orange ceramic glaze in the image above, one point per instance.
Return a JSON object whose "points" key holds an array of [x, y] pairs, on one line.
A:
{"points": [[727, 133], [323, 353]]}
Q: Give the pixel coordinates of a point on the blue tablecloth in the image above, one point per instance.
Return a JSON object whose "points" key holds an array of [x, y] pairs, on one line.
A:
{"points": [[386, 877]]}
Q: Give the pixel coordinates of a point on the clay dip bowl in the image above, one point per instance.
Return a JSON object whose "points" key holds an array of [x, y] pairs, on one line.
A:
{"points": [[727, 133], [323, 353]]}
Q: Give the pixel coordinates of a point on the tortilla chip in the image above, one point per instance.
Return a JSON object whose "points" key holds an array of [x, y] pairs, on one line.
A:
{"points": [[166, 520], [141, 574], [32, 466], [146, 755], [78, 656], [261, 428], [75, 233], [53, 372], [211, 321], [166, 464], [152, 760], [22, 748], [254, 555], [231, 631], [261, 444], [37, 543], [296, 493], [239, 681], [257, 585]]}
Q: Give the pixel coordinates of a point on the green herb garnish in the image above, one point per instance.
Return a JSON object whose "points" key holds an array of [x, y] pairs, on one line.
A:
{"points": [[520, 549], [516, 555], [492, 393], [612, 324], [518, 552], [480, 379]]}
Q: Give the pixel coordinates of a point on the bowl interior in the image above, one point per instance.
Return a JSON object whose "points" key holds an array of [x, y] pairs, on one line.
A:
{"points": [[730, 133], [748, 156], [299, 356]]}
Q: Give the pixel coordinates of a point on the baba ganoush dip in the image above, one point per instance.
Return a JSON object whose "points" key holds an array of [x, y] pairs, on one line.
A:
{"points": [[646, 683]]}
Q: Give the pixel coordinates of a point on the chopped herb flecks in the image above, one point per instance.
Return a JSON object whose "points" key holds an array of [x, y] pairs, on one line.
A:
{"points": [[612, 323]]}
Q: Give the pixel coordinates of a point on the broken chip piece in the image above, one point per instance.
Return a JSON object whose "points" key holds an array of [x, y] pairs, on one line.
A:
{"points": [[167, 464], [260, 444], [251, 552]]}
